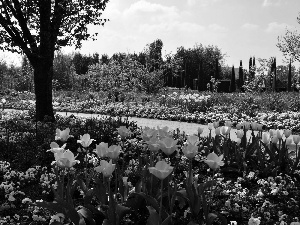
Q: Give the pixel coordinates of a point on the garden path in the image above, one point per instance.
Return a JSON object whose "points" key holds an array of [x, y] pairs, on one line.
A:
{"points": [[188, 128]]}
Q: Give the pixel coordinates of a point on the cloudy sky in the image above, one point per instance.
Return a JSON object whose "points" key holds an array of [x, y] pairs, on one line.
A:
{"points": [[240, 28]]}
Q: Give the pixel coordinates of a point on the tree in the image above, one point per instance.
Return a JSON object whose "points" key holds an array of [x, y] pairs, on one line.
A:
{"points": [[289, 44], [154, 55], [241, 76], [37, 28], [62, 65], [289, 85], [232, 83]]}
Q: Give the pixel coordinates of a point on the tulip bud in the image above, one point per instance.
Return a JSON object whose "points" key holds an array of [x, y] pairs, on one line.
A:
{"points": [[272, 132], [287, 133], [240, 134], [225, 130], [238, 141], [200, 130], [216, 124], [279, 134], [275, 139], [296, 139], [210, 126], [259, 127], [288, 141], [265, 138], [238, 126], [254, 125], [228, 123], [217, 131], [247, 125]]}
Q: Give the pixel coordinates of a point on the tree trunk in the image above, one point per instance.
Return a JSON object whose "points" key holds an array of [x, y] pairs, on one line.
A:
{"points": [[43, 73]]}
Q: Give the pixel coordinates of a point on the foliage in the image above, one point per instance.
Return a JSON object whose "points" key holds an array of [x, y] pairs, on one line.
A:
{"points": [[289, 44], [124, 75], [192, 58]]}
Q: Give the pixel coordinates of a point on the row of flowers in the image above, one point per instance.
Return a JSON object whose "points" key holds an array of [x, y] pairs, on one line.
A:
{"points": [[286, 120]]}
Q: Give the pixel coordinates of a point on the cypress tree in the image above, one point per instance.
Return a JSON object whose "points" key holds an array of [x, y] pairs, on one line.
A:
{"points": [[290, 77], [250, 68], [232, 83], [217, 69], [274, 77], [241, 76], [253, 64]]}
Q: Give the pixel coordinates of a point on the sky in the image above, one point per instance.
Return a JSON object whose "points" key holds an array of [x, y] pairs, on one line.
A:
{"points": [[240, 28]]}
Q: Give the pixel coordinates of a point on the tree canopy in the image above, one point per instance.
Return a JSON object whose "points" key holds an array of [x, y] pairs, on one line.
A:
{"points": [[25, 24], [289, 44], [39, 27]]}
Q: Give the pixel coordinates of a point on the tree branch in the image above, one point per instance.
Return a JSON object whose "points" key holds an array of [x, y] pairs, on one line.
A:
{"points": [[23, 24]]}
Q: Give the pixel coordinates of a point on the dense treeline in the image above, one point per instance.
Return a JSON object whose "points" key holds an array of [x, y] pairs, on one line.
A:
{"points": [[146, 71]]}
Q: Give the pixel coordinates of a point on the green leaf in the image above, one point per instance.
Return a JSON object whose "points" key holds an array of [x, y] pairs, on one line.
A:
{"points": [[190, 195], [86, 213], [88, 197], [181, 197], [192, 223], [153, 218], [212, 216], [98, 216], [105, 222], [138, 186], [81, 184], [167, 220], [56, 223], [121, 211], [81, 220], [100, 192]]}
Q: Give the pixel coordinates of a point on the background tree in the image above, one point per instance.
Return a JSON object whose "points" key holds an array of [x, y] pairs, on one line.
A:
{"points": [[153, 55], [232, 83], [3, 72], [289, 44], [38, 28], [62, 65]]}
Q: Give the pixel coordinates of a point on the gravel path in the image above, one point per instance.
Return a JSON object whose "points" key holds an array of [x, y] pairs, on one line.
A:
{"points": [[188, 128]]}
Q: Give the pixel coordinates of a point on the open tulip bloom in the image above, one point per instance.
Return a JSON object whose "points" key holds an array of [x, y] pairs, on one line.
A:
{"points": [[149, 133], [161, 170], [65, 159], [101, 149], [123, 132], [113, 151], [214, 161], [85, 140], [62, 135], [106, 168], [55, 148], [168, 145], [194, 140], [153, 144], [190, 150]]}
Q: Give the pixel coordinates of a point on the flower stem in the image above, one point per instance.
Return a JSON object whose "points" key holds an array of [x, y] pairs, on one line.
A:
{"points": [[161, 200]]}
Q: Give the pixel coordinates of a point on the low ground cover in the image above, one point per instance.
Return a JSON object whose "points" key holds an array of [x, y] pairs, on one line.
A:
{"points": [[274, 110], [111, 170]]}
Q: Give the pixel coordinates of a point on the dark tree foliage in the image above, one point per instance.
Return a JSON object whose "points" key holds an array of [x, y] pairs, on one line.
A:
{"points": [[232, 83], [289, 84], [199, 62], [38, 27]]}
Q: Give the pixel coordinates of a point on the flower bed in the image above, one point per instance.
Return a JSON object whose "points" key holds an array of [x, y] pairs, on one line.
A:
{"points": [[274, 110], [111, 172]]}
